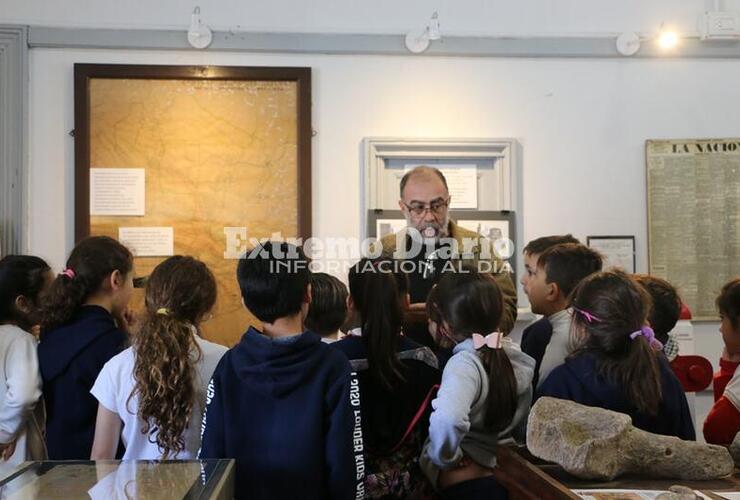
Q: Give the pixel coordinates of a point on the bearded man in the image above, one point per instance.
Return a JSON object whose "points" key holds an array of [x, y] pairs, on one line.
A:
{"points": [[434, 244]]}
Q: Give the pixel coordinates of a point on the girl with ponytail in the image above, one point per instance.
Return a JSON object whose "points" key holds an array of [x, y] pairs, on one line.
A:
{"points": [[486, 387], [396, 376], [617, 366], [152, 395], [84, 323]]}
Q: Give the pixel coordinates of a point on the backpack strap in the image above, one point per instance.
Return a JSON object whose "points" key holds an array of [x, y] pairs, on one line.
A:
{"points": [[417, 417]]}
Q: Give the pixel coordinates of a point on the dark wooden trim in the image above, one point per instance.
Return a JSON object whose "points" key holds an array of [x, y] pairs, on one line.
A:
{"points": [[84, 72], [525, 480], [305, 135], [82, 153]]}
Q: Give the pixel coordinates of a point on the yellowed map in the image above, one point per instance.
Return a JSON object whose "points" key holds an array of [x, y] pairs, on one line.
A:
{"points": [[216, 154]]}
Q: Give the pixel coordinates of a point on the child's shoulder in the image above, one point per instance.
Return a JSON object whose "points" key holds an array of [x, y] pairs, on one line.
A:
{"points": [[464, 361], [577, 373], [210, 348], [110, 340], [350, 346], [122, 360], [11, 334], [332, 355], [118, 369], [334, 364]]}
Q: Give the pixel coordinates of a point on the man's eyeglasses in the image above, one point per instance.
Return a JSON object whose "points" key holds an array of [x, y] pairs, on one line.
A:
{"points": [[436, 207]]}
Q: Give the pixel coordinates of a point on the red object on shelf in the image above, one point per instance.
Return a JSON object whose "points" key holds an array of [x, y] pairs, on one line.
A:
{"points": [[685, 312], [694, 372]]}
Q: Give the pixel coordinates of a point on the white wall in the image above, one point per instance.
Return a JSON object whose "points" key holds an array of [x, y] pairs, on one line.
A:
{"points": [[582, 123], [378, 16]]}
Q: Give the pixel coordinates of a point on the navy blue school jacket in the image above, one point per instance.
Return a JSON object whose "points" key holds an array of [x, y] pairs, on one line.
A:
{"points": [[535, 339], [285, 410], [578, 381], [70, 359]]}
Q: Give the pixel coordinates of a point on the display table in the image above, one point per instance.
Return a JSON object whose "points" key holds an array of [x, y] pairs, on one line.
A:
{"points": [[122, 479], [527, 477]]}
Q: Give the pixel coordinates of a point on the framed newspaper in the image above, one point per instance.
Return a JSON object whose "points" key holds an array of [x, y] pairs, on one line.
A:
{"points": [[693, 203]]}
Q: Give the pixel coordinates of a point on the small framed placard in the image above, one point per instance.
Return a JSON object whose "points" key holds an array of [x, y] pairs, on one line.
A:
{"points": [[618, 251]]}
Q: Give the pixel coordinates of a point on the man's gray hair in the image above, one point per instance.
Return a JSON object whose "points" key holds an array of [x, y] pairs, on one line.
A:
{"points": [[422, 169]]}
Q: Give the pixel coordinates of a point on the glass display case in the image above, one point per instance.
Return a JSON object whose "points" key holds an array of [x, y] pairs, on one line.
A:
{"points": [[122, 479]]}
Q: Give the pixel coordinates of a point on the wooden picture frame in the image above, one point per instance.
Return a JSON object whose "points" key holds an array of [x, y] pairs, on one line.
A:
{"points": [[213, 149], [83, 73]]}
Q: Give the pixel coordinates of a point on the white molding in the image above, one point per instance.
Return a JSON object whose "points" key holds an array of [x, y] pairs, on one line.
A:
{"points": [[378, 150], [367, 44], [13, 138], [506, 152]]}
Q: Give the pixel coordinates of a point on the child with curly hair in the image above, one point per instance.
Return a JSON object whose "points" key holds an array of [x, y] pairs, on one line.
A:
{"points": [[153, 394]]}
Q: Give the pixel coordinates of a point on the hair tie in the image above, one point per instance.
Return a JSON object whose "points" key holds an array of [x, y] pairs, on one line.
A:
{"points": [[163, 311], [649, 334], [69, 273], [589, 317], [492, 340]]}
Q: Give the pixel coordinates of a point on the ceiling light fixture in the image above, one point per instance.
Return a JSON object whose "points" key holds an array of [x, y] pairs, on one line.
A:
{"points": [[200, 35], [419, 42], [628, 43]]}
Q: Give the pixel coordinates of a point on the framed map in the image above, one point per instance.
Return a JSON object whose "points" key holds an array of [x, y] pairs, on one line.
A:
{"points": [[693, 188], [191, 151]]}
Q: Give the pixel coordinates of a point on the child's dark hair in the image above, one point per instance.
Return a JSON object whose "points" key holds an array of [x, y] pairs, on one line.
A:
{"points": [[567, 264], [666, 308], [377, 288], [273, 278], [618, 306], [539, 245], [20, 275], [179, 293], [328, 309], [90, 263], [471, 302], [728, 302]]}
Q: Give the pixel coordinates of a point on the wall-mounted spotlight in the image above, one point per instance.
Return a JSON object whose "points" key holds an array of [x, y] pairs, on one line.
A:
{"points": [[419, 42], [628, 43], [199, 34], [667, 38]]}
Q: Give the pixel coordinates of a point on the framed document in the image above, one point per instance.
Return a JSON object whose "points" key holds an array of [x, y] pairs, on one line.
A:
{"points": [[618, 251], [168, 157]]}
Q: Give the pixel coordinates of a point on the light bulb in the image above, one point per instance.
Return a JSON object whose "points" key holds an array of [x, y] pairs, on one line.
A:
{"points": [[668, 39]]}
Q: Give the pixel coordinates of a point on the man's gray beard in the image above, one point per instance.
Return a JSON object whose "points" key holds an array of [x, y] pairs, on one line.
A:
{"points": [[442, 233]]}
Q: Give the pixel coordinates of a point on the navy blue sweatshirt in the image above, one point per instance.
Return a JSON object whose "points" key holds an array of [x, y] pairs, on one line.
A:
{"points": [[535, 339], [577, 380], [283, 408], [70, 359]]}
